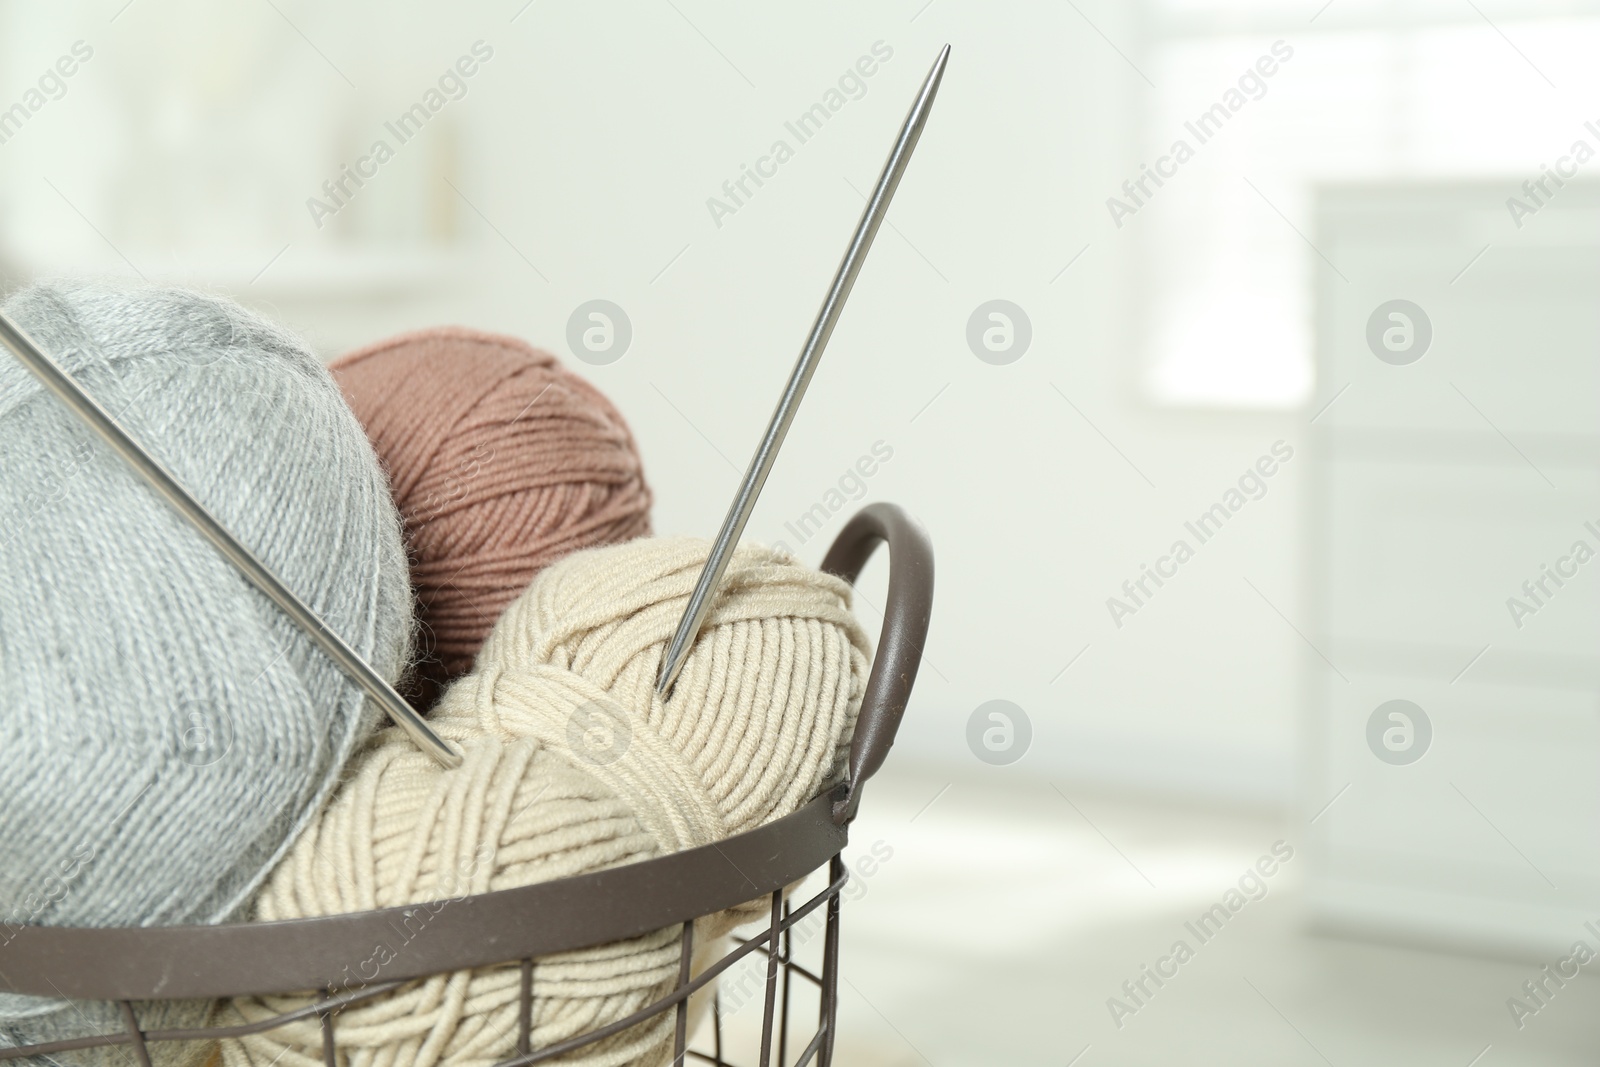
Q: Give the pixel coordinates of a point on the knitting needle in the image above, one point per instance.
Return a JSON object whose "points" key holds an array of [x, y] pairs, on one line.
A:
{"points": [[98, 419], [694, 615]]}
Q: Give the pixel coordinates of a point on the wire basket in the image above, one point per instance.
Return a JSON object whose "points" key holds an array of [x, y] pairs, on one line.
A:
{"points": [[128, 965]]}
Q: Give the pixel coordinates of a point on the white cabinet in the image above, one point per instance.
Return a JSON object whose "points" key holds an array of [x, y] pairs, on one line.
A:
{"points": [[1442, 486]]}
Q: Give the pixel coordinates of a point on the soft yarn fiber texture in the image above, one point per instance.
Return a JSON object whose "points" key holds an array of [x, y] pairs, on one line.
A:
{"points": [[165, 731], [573, 764], [502, 461]]}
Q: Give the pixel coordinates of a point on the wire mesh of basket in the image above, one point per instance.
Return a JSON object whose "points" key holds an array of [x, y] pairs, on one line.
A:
{"points": [[127, 966]]}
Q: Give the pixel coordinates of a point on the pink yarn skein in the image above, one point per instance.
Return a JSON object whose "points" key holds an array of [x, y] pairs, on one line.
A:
{"points": [[501, 461]]}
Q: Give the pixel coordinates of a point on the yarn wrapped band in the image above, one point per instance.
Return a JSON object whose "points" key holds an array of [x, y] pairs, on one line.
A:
{"points": [[573, 764], [165, 731], [501, 461]]}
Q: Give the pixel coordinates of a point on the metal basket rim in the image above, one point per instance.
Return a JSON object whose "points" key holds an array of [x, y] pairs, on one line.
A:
{"points": [[478, 930]]}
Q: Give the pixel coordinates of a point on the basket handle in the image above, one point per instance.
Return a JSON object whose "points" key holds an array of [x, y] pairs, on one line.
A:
{"points": [[905, 631]]}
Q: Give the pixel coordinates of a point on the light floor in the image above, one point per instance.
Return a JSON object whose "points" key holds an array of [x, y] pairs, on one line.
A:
{"points": [[1009, 912]]}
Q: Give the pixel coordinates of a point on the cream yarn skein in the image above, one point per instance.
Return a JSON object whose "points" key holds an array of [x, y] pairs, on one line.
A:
{"points": [[572, 764]]}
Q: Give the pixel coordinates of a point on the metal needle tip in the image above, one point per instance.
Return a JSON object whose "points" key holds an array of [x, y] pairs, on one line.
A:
{"points": [[755, 476]]}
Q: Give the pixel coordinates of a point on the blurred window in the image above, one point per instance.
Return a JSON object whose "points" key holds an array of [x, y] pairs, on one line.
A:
{"points": [[1374, 92]]}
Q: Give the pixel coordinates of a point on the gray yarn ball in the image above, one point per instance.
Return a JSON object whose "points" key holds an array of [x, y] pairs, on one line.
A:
{"points": [[165, 731]]}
